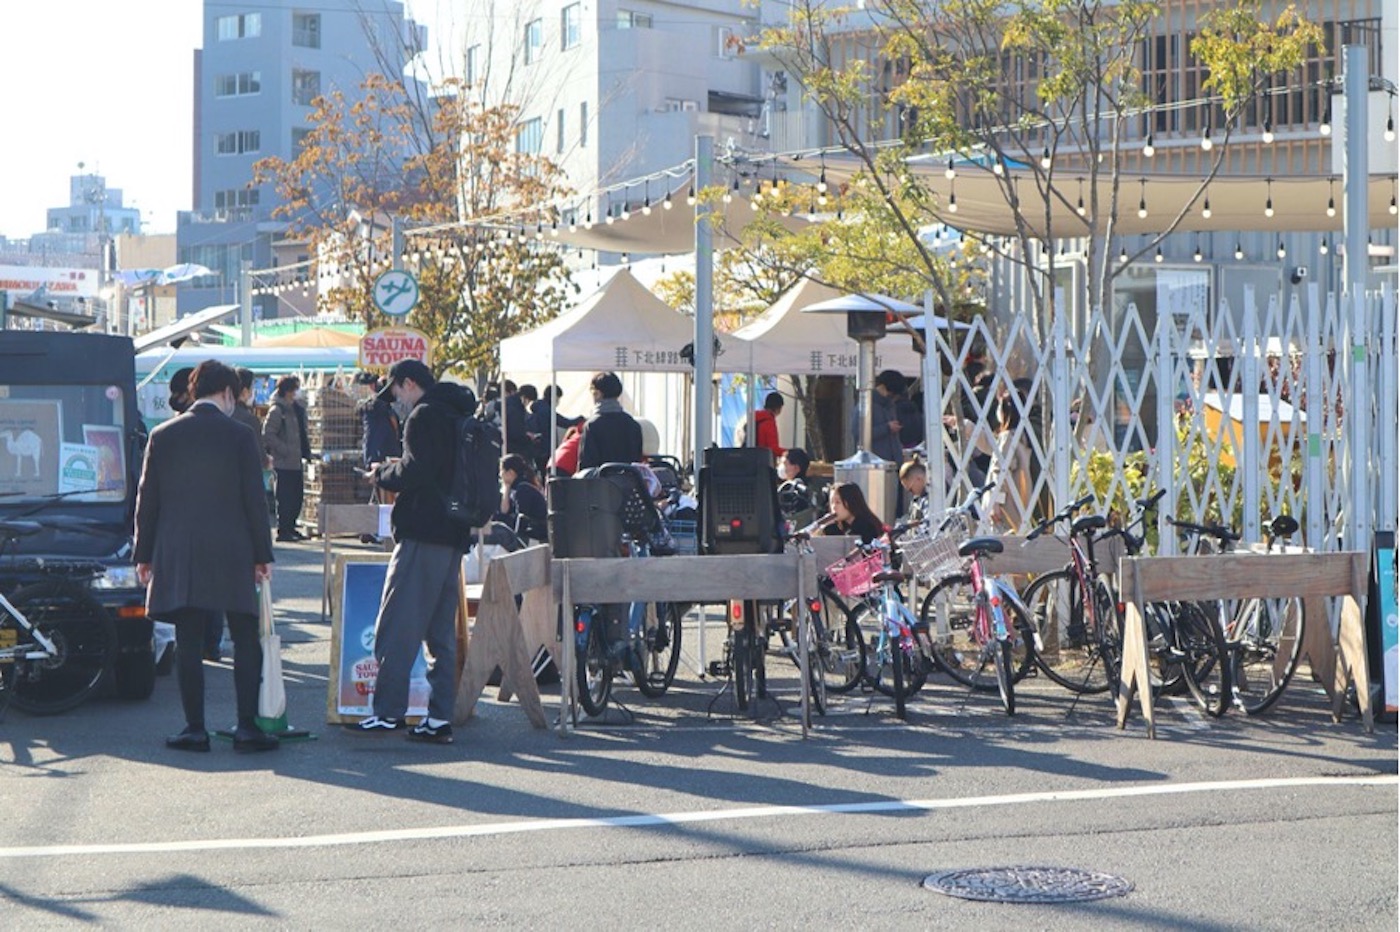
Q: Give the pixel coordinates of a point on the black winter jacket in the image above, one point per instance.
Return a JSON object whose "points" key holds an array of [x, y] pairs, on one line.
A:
{"points": [[610, 437], [423, 477]]}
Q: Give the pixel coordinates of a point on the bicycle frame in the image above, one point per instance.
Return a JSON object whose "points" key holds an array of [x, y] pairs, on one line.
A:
{"points": [[46, 649]]}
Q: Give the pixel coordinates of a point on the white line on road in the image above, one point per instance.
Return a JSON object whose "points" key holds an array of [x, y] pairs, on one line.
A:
{"points": [[682, 818]]}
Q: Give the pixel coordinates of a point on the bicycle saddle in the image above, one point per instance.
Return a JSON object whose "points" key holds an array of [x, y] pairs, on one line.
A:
{"points": [[894, 576], [20, 528], [980, 545], [1088, 523], [1284, 525]]}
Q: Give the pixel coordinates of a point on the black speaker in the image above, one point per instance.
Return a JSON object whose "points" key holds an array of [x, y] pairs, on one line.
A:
{"points": [[585, 518], [739, 501]]}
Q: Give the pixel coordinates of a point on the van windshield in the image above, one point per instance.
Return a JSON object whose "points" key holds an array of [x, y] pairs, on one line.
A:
{"points": [[62, 440]]}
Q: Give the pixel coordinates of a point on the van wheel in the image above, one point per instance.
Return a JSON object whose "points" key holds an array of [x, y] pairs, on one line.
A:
{"points": [[134, 673]]}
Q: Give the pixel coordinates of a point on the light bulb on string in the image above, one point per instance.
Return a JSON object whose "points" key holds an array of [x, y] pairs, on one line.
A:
{"points": [[952, 199], [1205, 208], [1196, 256], [588, 218], [690, 197], [950, 172], [1331, 198], [1149, 150], [666, 202], [626, 259], [609, 218], [1325, 128], [1322, 247], [1268, 132], [1239, 251], [729, 195], [1281, 250], [1390, 125], [1142, 200], [1269, 201], [821, 179], [1079, 207], [646, 200], [1158, 257], [1206, 142], [626, 208], [1394, 208], [997, 168], [1123, 254], [1045, 158]]}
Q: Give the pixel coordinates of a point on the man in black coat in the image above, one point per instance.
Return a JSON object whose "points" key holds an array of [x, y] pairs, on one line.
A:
{"points": [[203, 542], [419, 605], [611, 434]]}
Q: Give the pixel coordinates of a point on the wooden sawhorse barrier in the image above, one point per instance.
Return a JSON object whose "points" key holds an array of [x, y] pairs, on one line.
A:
{"points": [[1310, 577], [506, 637], [705, 580]]}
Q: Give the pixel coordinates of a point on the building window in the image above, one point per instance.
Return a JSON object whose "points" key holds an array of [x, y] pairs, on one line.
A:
{"points": [[239, 26], [235, 198], [306, 86], [239, 143], [306, 30], [299, 137], [237, 85], [534, 40], [583, 124], [559, 133], [529, 139], [473, 64], [631, 19], [571, 25]]}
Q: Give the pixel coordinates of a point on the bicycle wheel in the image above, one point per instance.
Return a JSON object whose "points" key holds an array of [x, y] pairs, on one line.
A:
{"points": [[948, 619], [816, 676], [1203, 663], [742, 663], [1111, 644], [840, 649], [1067, 646], [592, 670], [1264, 640], [882, 652], [84, 640], [654, 665], [1005, 681]]}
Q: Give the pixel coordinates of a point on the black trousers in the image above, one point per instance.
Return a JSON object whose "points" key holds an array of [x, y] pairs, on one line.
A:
{"points": [[190, 627], [290, 492]]}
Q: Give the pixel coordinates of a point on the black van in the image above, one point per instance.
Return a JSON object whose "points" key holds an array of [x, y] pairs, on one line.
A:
{"points": [[71, 443]]}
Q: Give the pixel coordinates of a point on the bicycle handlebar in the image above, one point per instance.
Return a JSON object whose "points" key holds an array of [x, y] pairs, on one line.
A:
{"points": [[1064, 515], [1218, 531]]}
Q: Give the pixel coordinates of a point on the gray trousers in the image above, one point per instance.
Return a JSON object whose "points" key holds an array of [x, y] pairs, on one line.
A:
{"points": [[419, 606]]}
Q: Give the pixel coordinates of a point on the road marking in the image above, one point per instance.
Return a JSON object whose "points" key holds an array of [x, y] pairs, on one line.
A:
{"points": [[683, 818]]}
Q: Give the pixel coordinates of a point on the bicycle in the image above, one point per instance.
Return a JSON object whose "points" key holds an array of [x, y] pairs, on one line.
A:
{"points": [[57, 642], [1071, 607], [1185, 647], [646, 642], [963, 622], [1263, 638]]}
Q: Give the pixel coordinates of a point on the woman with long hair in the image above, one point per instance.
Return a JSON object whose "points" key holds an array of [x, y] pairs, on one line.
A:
{"points": [[853, 514]]}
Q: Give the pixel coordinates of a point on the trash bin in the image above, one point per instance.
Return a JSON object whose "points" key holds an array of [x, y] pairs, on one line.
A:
{"points": [[878, 479]]}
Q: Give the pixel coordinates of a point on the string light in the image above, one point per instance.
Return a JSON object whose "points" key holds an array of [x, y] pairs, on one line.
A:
{"points": [[1197, 254], [952, 199], [950, 173], [646, 200], [1239, 250], [666, 202], [1326, 127], [1149, 150], [1269, 201], [1394, 208], [821, 179], [1268, 132], [997, 168], [1281, 250], [1206, 142], [1205, 208], [609, 218], [1390, 124], [1045, 158], [1322, 247], [1331, 198], [1158, 257], [1079, 207], [1123, 254], [1142, 200], [690, 197]]}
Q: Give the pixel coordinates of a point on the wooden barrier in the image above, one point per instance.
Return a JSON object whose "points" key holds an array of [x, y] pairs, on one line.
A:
{"points": [[506, 637], [1309, 577], [706, 580]]}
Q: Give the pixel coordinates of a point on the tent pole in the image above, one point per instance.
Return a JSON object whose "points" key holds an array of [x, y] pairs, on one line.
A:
{"points": [[704, 300]]}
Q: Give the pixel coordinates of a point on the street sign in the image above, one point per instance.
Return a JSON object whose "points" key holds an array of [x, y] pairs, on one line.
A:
{"points": [[396, 292]]}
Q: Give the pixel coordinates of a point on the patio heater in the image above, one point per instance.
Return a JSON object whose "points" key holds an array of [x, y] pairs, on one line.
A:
{"points": [[867, 318]]}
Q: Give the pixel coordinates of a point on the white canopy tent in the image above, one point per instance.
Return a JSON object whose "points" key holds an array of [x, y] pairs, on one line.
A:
{"points": [[623, 328], [784, 341]]}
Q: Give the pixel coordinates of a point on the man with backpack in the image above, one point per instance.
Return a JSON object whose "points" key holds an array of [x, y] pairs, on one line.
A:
{"points": [[419, 605]]}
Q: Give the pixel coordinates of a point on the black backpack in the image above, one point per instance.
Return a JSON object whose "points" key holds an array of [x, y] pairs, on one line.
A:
{"points": [[475, 494]]}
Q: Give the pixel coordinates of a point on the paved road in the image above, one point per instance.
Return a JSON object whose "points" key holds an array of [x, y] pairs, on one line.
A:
{"points": [[691, 820]]}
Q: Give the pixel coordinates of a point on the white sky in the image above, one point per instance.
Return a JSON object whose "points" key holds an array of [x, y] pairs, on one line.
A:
{"points": [[107, 83]]}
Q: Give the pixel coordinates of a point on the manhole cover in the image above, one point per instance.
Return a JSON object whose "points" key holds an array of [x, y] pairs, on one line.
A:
{"points": [[1028, 884]]}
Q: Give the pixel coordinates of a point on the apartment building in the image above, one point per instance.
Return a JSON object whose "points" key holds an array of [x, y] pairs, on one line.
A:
{"points": [[261, 66]]}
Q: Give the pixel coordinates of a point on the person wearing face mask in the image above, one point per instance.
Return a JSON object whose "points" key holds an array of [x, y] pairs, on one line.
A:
{"points": [[286, 441], [202, 543]]}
